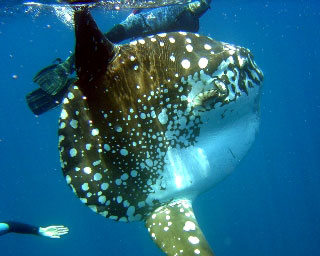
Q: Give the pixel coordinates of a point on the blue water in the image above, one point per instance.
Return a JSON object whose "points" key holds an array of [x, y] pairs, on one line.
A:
{"points": [[269, 206]]}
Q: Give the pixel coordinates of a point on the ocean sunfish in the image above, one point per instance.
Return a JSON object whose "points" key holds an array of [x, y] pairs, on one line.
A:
{"points": [[150, 125]]}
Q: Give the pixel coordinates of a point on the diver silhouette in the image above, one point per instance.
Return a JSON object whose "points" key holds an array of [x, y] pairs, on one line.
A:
{"points": [[22, 228]]}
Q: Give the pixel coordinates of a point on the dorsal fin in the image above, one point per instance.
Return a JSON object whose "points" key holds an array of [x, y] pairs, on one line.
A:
{"points": [[174, 228], [93, 50]]}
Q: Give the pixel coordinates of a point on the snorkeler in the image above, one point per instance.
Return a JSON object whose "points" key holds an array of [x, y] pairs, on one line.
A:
{"points": [[55, 79], [21, 228]]}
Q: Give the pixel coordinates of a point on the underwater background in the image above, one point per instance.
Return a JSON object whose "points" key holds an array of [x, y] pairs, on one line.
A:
{"points": [[270, 205]]}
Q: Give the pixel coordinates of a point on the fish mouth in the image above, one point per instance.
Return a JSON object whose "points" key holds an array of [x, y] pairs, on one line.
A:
{"points": [[207, 100]]}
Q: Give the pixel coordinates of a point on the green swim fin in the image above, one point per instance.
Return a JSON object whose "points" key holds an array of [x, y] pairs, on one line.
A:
{"points": [[40, 101], [53, 78]]}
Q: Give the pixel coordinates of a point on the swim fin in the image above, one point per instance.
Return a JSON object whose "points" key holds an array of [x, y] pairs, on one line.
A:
{"points": [[40, 101], [53, 78]]}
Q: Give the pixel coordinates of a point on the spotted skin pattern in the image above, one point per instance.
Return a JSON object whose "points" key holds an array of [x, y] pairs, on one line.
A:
{"points": [[122, 118]]}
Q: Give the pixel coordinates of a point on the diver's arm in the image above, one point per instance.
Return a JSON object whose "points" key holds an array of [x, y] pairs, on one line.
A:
{"points": [[18, 227], [22, 228]]}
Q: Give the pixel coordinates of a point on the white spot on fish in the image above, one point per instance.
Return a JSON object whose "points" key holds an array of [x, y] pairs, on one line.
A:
{"points": [[74, 124], [68, 179], [189, 48], [193, 239], [207, 47], [102, 199], [189, 225], [172, 40], [203, 62], [119, 199], [123, 219], [241, 61], [85, 187], [87, 170], [104, 213], [97, 176], [95, 163], [73, 152], [126, 203], [70, 95], [104, 186], [143, 115], [185, 64], [134, 173], [118, 129], [123, 152], [131, 210], [95, 132], [124, 176], [141, 41], [63, 114], [62, 125], [61, 138], [106, 147], [149, 162], [163, 117]]}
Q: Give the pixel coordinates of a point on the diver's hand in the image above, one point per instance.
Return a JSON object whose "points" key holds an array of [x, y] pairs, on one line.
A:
{"points": [[53, 231]]}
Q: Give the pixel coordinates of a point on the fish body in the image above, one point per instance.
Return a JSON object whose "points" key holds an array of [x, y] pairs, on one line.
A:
{"points": [[152, 124]]}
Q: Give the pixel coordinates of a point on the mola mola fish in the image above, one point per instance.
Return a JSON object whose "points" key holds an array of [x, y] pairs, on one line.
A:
{"points": [[150, 125]]}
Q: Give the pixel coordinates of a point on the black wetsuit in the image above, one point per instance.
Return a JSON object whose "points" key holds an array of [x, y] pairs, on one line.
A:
{"points": [[18, 227], [165, 19]]}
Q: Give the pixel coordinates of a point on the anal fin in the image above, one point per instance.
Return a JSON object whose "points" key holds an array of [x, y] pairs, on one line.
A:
{"points": [[174, 228]]}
